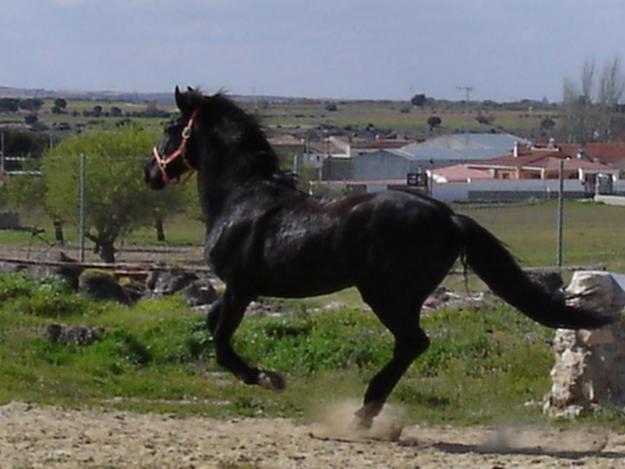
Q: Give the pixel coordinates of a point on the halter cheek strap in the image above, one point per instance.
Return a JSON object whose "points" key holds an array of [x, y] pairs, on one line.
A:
{"points": [[180, 152]]}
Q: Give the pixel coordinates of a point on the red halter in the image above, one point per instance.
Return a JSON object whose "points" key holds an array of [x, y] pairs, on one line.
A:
{"points": [[180, 152]]}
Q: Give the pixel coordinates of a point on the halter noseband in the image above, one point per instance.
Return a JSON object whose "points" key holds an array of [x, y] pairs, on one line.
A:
{"points": [[180, 152]]}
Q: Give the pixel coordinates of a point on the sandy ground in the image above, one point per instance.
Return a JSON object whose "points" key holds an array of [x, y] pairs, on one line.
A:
{"points": [[51, 437]]}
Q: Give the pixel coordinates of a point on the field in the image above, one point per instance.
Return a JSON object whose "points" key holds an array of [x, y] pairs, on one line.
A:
{"points": [[387, 116]]}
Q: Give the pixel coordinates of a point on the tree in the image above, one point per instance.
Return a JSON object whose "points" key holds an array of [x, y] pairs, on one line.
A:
{"points": [[24, 143], [419, 100], [484, 119], [31, 104], [31, 119], [547, 124], [117, 199], [434, 122], [60, 103], [589, 107], [9, 104]]}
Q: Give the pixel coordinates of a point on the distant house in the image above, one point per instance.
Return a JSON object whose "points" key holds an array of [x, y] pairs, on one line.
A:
{"points": [[458, 173], [396, 163], [543, 162]]}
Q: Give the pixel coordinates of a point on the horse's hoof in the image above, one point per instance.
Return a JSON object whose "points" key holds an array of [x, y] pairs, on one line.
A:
{"points": [[360, 425], [272, 380]]}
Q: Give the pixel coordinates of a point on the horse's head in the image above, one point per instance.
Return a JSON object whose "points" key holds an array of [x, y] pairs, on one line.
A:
{"points": [[215, 135], [174, 155]]}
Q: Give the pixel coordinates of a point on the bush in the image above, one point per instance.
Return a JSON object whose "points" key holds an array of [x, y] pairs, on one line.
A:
{"points": [[51, 297]]}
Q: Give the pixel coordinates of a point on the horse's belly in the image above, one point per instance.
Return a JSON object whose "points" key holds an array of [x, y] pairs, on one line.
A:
{"points": [[298, 277]]}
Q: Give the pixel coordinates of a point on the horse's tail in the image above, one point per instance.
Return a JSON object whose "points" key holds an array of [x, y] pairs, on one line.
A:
{"points": [[490, 260]]}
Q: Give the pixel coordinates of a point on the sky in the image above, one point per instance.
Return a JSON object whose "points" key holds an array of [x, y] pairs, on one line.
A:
{"points": [[505, 49]]}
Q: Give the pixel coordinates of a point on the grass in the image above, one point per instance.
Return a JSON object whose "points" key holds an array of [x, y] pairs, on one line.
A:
{"points": [[481, 367], [593, 233]]}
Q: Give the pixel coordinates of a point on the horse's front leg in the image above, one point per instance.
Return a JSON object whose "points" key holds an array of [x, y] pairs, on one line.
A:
{"points": [[223, 321]]}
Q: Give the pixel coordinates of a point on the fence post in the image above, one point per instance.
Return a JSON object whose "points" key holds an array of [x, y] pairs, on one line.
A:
{"points": [[82, 208], [560, 215]]}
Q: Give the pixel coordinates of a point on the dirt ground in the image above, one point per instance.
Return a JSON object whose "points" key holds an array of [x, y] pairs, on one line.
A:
{"points": [[51, 437]]}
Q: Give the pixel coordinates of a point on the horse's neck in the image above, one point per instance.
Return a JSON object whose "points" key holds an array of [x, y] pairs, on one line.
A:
{"points": [[220, 200]]}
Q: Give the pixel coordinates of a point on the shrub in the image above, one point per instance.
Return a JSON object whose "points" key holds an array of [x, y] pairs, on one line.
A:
{"points": [[51, 297]]}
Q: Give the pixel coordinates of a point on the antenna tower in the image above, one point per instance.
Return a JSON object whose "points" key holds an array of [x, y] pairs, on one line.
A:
{"points": [[467, 97]]}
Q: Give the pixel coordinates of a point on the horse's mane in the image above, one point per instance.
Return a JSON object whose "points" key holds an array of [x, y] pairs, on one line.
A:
{"points": [[253, 146]]}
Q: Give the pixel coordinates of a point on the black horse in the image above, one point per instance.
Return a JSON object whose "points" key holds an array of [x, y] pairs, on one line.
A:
{"points": [[264, 237]]}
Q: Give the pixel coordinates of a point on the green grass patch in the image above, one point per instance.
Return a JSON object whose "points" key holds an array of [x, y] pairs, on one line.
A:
{"points": [[593, 233], [482, 367]]}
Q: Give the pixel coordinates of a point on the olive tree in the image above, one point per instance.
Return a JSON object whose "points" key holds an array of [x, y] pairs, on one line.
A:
{"points": [[117, 199]]}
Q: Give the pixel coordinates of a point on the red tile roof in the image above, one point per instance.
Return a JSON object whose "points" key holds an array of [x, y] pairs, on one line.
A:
{"points": [[572, 164], [606, 152], [510, 161], [594, 156]]}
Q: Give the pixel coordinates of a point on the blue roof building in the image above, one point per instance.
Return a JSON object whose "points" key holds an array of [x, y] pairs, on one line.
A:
{"points": [[445, 150]]}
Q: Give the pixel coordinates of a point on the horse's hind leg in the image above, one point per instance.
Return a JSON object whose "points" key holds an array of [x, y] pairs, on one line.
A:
{"points": [[223, 321], [410, 342], [212, 317]]}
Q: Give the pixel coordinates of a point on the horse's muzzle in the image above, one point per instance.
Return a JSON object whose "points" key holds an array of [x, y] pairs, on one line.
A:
{"points": [[152, 176]]}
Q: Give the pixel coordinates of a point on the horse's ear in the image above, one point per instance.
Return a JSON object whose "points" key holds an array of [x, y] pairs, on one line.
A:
{"points": [[179, 99]]}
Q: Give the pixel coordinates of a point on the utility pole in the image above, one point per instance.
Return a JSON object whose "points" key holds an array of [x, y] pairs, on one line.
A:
{"points": [[1, 152], [467, 97], [560, 214]]}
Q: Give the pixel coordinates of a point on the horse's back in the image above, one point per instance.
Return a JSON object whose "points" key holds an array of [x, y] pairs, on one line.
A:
{"points": [[314, 247]]}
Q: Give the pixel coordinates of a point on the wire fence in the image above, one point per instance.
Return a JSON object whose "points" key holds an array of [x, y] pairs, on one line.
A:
{"points": [[97, 188]]}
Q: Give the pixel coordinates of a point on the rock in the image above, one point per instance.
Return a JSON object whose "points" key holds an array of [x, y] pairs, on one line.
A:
{"points": [[102, 286], [134, 290], [162, 283], [589, 368], [196, 290], [466, 300], [592, 290], [263, 309], [70, 273], [199, 293], [438, 298], [73, 335]]}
